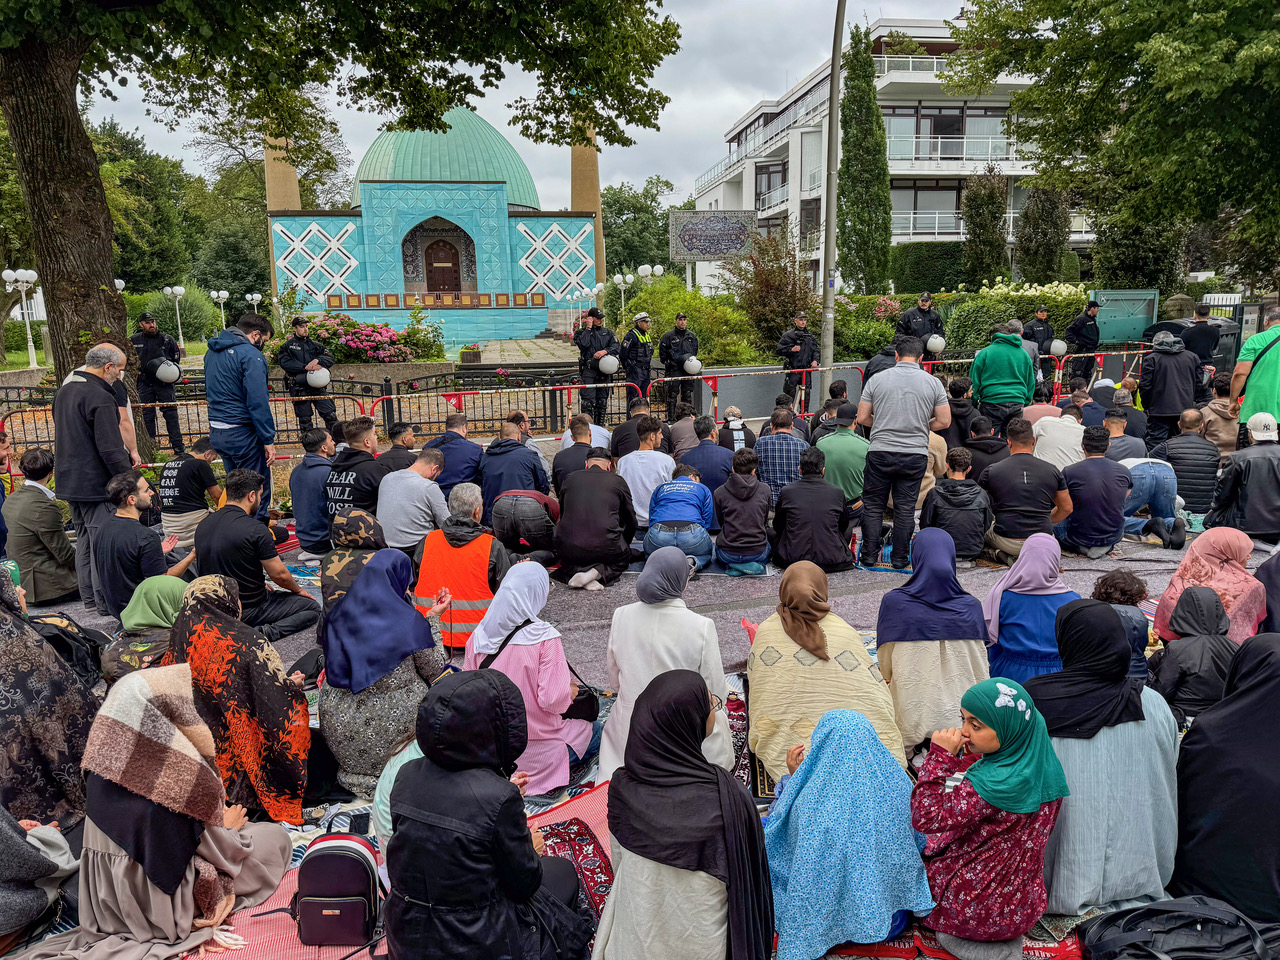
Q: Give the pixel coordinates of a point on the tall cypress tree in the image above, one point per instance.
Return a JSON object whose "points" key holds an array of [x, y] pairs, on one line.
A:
{"points": [[864, 210], [986, 195], [1040, 235]]}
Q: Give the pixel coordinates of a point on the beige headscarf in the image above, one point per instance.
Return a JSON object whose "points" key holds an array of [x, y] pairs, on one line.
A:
{"points": [[804, 603]]}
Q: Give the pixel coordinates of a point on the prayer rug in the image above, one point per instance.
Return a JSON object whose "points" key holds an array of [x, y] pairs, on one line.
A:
{"points": [[1032, 949], [590, 806], [902, 946], [736, 708], [574, 841], [1057, 926]]}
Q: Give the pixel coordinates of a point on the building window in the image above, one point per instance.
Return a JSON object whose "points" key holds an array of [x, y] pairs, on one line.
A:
{"points": [[772, 226], [810, 220], [769, 176], [926, 207]]}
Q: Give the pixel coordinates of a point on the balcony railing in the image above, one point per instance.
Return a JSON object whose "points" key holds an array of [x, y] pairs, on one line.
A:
{"points": [[775, 197], [812, 183], [950, 224], [776, 128], [952, 148], [909, 64]]}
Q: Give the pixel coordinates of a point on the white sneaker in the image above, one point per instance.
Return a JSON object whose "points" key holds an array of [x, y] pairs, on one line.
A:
{"points": [[579, 580], [595, 585]]}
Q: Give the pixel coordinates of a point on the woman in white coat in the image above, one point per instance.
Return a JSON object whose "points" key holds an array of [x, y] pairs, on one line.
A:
{"points": [[656, 635]]}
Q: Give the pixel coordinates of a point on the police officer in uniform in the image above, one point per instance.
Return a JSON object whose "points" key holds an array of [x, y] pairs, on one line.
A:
{"points": [[799, 351], [1082, 336], [154, 348], [922, 322], [300, 355], [593, 341], [679, 344], [637, 355]]}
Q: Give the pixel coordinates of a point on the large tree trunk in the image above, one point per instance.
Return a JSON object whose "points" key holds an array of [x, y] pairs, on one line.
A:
{"points": [[66, 204]]}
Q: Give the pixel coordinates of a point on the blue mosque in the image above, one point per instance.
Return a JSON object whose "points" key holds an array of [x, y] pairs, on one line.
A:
{"points": [[448, 222]]}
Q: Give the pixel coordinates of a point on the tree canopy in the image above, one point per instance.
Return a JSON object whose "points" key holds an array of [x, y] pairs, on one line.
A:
{"points": [[635, 224], [1174, 101]]}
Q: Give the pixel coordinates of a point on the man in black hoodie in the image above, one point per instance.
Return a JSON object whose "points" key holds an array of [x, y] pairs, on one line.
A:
{"points": [[959, 506], [508, 464], [355, 475], [597, 524], [1171, 381], [742, 509], [963, 412], [985, 447], [811, 519]]}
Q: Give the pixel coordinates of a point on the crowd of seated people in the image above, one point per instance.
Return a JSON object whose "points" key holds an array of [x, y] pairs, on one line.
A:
{"points": [[963, 778]]}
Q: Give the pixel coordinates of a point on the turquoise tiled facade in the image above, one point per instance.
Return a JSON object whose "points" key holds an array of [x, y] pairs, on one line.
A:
{"points": [[515, 263]]}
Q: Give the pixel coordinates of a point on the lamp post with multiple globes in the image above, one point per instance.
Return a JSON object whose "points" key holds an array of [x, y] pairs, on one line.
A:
{"points": [[220, 297], [23, 280], [175, 294], [253, 300]]}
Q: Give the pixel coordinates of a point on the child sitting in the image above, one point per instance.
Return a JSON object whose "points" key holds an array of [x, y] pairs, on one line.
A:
{"points": [[959, 506]]}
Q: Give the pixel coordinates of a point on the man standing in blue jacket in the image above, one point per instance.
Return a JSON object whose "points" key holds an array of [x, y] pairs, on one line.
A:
{"points": [[241, 426]]}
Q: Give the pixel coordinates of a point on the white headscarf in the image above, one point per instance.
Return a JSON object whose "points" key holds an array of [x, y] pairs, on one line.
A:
{"points": [[521, 597]]}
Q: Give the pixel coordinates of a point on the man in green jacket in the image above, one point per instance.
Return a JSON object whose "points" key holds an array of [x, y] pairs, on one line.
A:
{"points": [[1003, 378], [846, 454]]}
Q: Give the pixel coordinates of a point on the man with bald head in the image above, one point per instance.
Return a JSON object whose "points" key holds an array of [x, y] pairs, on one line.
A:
{"points": [[89, 450]]}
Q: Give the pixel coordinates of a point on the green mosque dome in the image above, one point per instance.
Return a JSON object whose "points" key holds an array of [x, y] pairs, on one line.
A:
{"points": [[471, 150]]}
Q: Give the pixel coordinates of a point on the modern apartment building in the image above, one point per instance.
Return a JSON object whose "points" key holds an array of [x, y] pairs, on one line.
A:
{"points": [[777, 151]]}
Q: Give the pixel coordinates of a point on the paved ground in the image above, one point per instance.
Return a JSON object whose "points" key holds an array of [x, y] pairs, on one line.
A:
{"points": [[528, 351], [584, 618]]}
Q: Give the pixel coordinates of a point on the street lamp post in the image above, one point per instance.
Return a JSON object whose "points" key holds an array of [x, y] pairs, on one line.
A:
{"points": [[24, 280], [220, 297], [623, 283], [119, 286], [175, 294], [253, 299], [827, 352]]}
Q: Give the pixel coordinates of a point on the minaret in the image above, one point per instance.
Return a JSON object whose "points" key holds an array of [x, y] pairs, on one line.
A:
{"points": [[584, 192], [283, 193]]}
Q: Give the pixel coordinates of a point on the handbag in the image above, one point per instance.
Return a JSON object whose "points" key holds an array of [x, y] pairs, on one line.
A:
{"points": [[585, 706], [1188, 928]]}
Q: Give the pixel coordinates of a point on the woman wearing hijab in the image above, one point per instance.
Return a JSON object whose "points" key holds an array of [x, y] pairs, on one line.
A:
{"points": [[147, 621], [45, 715], [805, 661], [1191, 672], [534, 660], [1228, 778], [258, 715], [931, 640], [488, 892], [1020, 612], [841, 824], [651, 637], [1216, 560], [380, 657], [987, 799], [165, 861], [691, 878], [1117, 742]]}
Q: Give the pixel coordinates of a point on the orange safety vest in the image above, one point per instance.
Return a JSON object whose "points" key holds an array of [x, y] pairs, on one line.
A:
{"points": [[465, 571]]}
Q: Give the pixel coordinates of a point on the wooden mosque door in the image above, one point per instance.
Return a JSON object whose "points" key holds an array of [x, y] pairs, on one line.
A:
{"points": [[443, 267]]}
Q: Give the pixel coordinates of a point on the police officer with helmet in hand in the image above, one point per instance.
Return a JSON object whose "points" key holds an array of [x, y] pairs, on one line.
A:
{"points": [[154, 350], [799, 351], [299, 356], [678, 345], [637, 355], [595, 341], [922, 322]]}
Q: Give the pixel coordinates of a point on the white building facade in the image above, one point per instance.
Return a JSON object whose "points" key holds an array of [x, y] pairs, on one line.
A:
{"points": [[777, 151]]}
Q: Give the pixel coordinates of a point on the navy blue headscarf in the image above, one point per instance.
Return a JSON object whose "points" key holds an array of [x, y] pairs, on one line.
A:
{"points": [[931, 605], [369, 631]]}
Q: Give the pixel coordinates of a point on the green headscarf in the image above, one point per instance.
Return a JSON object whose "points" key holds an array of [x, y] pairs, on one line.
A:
{"points": [[154, 604], [1024, 773]]}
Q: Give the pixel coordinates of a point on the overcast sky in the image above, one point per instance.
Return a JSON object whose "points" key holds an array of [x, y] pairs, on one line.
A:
{"points": [[733, 53]]}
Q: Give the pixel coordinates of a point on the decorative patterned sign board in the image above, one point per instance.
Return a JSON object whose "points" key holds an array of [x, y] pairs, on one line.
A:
{"points": [[711, 234]]}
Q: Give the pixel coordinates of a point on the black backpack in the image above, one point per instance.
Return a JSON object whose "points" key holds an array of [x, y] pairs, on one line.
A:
{"points": [[1188, 928], [339, 893]]}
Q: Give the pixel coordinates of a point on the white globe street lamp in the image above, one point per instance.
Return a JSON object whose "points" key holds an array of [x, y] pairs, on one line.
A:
{"points": [[119, 286], [622, 283], [23, 280], [175, 294], [253, 299], [644, 270], [220, 297]]}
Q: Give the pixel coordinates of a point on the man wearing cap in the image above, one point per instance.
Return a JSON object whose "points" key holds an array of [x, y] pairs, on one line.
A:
{"points": [[678, 345], [1082, 338], [637, 355], [799, 351], [1246, 495], [846, 454], [299, 356], [922, 322], [154, 348], [595, 341]]}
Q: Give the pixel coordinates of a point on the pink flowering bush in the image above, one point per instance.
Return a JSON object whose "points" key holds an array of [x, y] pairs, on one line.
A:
{"points": [[351, 341]]}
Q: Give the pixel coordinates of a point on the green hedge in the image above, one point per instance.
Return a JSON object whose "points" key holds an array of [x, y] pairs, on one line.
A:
{"points": [[1070, 270], [15, 336], [969, 327], [725, 336], [928, 265]]}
